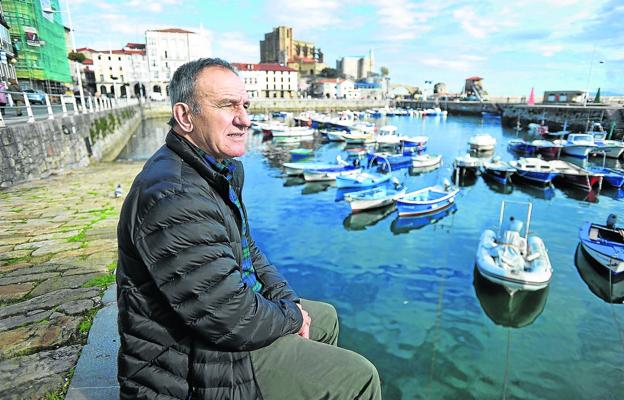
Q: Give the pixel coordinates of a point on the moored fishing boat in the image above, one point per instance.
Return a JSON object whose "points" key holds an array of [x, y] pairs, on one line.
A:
{"points": [[361, 180], [500, 171], [374, 198], [534, 169], [575, 175], [427, 200], [521, 146], [427, 162], [482, 142], [605, 245], [577, 144], [329, 174], [547, 148], [511, 259]]}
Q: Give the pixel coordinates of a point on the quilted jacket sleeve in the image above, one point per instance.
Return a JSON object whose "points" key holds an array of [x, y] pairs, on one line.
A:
{"points": [[183, 241]]}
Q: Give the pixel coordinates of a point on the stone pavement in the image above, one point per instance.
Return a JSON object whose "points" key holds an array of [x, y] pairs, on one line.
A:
{"points": [[58, 251]]}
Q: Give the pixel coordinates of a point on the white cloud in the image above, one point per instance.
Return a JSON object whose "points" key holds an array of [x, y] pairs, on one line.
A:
{"points": [[307, 14], [460, 63], [404, 20], [235, 47], [549, 50]]}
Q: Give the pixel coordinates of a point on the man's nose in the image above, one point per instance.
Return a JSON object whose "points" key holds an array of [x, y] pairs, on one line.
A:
{"points": [[242, 118]]}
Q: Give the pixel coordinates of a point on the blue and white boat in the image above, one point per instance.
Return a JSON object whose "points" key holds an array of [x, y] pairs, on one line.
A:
{"points": [[414, 143], [521, 146], [403, 224], [534, 169], [605, 245], [383, 159], [297, 168], [374, 198], [329, 174], [428, 200], [361, 180], [577, 144], [512, 258], [500, 171], [610, 176]]}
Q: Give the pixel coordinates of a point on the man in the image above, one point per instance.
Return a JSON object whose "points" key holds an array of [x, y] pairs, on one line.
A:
{"points": [[203, 314]]}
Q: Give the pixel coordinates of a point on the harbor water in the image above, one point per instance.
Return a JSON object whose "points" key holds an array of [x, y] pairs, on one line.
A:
{"points": [[407, 291]]}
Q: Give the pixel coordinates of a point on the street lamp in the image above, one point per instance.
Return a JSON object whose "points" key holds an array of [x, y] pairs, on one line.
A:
{"points": [[49, 10]]}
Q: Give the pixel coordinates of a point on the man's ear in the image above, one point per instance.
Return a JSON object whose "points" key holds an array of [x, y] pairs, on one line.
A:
{"points": [[182, 115]]}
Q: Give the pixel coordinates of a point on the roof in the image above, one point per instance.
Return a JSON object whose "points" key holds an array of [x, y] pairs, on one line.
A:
{"points": [[474, 78], [261, 67], [135, 45], [87, 62], [170, 30], [80, 50]]}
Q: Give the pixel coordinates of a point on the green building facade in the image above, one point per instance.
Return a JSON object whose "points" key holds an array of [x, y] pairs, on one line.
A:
{"points": [[39, 39]]}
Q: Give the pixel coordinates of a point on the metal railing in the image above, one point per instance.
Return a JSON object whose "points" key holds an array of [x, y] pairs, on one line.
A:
{"points": [[26, 107]]}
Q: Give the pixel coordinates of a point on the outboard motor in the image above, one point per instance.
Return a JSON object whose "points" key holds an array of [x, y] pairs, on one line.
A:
{"points": [[611, 221]]}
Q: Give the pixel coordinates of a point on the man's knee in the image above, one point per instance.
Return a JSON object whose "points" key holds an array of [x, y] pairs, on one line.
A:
{"points": [[366, 377]]}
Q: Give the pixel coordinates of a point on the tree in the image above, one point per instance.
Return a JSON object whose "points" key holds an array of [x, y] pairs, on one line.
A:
{"points": [[75, 56], [329, 73], [384, 71]]}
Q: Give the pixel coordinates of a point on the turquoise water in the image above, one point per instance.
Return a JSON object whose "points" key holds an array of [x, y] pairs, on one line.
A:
{"points": [[407, 291]]}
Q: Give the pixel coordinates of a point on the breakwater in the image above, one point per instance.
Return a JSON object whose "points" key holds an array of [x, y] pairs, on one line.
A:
{"points": [[576, 116]]}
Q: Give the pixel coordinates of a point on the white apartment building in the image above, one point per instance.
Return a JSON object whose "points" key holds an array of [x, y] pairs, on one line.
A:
{"points": [[268, 80], [119, 73], [168, 49]]}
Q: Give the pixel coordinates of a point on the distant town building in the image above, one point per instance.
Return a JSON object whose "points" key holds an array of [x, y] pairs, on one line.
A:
{"points": [[168, 49], [7, 55], [440, 88], [564, 96], [334, 88], [39, 41], [358, 67], [117, 73], [473, 89], [280, 47], [268, 80]]}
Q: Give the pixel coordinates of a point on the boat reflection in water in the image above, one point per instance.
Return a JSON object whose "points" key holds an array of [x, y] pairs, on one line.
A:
{"points": [[541, 192], [360, 220], [514, 311], [598, 278], [463, 179], [317, 187], [495, 186], [293, 181], [406, 224], [615, 194], [580, 194]]}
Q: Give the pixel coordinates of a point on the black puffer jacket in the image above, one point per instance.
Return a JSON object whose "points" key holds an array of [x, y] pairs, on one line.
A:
{"points": [[185, 319]]}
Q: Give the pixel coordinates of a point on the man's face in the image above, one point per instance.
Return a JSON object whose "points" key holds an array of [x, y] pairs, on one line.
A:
{"points": [[220, 128]]}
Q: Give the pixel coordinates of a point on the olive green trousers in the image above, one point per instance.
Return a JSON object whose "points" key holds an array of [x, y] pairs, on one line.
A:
{"points": [[294, 368]]}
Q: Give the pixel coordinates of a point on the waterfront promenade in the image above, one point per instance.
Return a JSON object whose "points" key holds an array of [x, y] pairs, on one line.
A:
{"points": [[58, 251]]}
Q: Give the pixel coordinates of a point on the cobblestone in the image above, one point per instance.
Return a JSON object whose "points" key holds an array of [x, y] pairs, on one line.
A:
{"points": [[56, 234]]}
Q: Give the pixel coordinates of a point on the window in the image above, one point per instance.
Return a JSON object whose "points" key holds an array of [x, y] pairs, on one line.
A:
{"points": [[165, 53]]}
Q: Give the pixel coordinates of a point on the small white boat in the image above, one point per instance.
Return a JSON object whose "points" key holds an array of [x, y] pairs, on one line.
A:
{"points": [[297, 131], [388, 136], [534, 169], [468, 162], [426, 162], [427, 201], [329, 174], [512, 260], [610, 148], [482, 142], [335, 136], [297, 168], [577, 144], [358, 137], [374, 198]]}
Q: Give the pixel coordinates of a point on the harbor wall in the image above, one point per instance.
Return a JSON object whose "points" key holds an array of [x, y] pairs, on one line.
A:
{"points": [[43, 148]]}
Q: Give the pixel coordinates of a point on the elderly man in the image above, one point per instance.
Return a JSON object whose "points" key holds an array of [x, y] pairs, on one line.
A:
{"points": [[203, 314]]}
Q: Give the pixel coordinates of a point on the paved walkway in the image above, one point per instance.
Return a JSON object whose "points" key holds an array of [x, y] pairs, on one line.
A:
{"points": [[57, 253]]}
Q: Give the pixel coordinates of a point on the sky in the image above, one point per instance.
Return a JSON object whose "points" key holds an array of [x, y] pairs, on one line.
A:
{"points": [[513, 45]]}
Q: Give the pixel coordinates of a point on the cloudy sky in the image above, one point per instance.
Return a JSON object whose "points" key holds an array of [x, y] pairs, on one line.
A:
{"points": [[513, 45]]}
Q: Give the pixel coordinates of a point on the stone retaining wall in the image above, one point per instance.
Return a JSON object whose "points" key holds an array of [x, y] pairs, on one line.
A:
{"points": [[43, 148]]}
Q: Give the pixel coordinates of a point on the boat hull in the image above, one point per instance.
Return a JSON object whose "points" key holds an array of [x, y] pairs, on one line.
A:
{"points": [[607, 253], [409, 207]]}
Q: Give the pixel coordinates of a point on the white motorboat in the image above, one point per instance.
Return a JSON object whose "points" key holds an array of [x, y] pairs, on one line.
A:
{"points": [[534, 169], [610, 148], [468, 162], [510, 259], [296, 131], [482, 142], [577, 144], [388, 136]]}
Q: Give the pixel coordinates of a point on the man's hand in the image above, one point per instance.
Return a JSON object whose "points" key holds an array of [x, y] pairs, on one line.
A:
{"points": [[305, 327]]}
